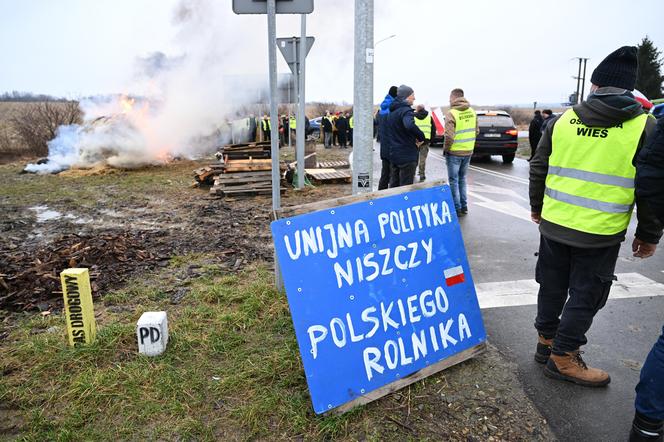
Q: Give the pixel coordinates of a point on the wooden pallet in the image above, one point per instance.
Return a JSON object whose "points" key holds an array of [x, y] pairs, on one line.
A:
{"points": [[329, 175], [333, 165], [250, 165], [243, 184]]}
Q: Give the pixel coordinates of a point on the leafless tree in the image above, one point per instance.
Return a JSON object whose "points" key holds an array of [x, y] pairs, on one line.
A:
{"points": [[36, 124]]}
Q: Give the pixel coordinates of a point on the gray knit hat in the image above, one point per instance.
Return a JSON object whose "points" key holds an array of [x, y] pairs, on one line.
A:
{"points": [[618, 69], [404, 92]]}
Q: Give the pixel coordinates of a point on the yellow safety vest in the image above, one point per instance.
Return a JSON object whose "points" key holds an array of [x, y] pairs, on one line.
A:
{"points": [[464, 135], [292, 123], [425, 126], [350, 122], [266, 125], [590, 181]]}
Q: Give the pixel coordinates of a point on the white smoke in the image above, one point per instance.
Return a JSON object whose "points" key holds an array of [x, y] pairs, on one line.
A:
{"points": [[184, 100]]}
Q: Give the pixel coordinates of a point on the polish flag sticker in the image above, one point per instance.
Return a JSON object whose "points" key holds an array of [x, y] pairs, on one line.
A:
{"points": [[454, 275]]}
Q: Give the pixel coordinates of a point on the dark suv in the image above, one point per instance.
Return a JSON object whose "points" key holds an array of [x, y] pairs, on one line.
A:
{"points": [[498, 135]]}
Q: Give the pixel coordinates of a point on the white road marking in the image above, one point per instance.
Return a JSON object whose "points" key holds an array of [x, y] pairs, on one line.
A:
{"points": [[487, 188], [493, 173], [524, 292], [499, 175]]}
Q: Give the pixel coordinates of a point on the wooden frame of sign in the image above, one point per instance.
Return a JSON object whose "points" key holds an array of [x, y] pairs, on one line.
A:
{"points": [[287, 212]]}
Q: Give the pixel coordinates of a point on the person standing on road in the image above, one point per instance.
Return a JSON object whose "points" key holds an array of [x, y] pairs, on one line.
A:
{"points": [[582, 196], [460, 132], [547, 115], [381, 116], [326, 125], [424, 121], [404, 138], [648, 424], [535, 132]]}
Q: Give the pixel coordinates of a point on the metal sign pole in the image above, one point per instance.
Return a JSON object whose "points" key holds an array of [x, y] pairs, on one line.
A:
{"points": [[301, 127], [274, 122], [363, 98], [290, 105]]}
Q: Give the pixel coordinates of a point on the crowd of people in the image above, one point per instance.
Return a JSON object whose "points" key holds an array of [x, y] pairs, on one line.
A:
{"points": [[337, 129]]}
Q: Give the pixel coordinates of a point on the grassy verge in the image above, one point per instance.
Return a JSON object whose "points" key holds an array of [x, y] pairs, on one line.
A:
{"points": [[231, 370]]}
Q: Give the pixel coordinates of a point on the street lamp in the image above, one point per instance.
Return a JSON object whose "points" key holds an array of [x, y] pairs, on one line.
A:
{"points": [[382, 40]]}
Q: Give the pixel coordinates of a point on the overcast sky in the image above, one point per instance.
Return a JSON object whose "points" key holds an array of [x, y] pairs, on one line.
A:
{"points": [[500, 52]]}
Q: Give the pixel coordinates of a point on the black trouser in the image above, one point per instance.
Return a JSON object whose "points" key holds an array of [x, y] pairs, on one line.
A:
{"points": [[342, 138], [385, 172], [350, 136], [403, 174], [586, 275]]}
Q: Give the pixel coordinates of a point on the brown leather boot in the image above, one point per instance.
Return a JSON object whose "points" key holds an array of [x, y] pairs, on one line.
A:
{"points": [[570, 367], [543, 349]]}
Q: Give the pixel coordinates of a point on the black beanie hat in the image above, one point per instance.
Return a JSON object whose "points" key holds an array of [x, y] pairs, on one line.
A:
{"points": [[393, 92], [618, 69]]}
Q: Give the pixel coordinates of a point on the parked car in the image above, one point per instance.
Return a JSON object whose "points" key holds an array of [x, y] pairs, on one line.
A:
{"points": [[498, 135], [314, 128]]}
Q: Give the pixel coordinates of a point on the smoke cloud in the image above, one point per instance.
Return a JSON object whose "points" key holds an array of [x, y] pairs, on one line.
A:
{"points": [[182, 102]]}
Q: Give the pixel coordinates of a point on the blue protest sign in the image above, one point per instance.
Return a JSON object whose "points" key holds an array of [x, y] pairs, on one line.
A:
{"points": [[378, 290]]}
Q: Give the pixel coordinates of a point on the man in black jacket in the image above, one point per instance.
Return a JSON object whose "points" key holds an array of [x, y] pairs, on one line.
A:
{"points": [[342, 129], [379, 127], [404, 138], [648, 422], [535, 132], [582, 196]]}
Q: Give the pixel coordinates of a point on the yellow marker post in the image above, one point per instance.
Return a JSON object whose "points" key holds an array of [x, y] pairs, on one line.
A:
{"points": [[79, 310]]}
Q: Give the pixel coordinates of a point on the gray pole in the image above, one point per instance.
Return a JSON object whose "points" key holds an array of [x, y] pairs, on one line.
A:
{"points": [[274, 122], [583, 81], [363, 97], [296, 92], [301, 128], [578, 83]]}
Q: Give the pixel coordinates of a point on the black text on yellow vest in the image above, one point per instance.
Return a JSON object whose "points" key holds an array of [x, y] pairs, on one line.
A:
{"points": [[464, 135]]}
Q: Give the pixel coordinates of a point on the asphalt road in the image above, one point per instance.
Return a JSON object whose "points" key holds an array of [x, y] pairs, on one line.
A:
{"points": [[501, 242]]}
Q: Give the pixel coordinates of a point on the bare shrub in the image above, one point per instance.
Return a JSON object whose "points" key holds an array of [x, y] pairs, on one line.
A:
{"points": [[36, 124]]}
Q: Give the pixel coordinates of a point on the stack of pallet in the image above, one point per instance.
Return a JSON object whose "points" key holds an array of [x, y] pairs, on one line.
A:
{"points": [[246, 170], [330, 172]]}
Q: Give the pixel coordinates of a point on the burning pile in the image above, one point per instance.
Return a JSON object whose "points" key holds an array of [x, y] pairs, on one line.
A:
{"points": [[120, 137]]}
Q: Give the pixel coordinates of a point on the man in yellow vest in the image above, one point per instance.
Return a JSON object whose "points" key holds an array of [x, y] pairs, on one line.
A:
{"points": [[460, 132], [424, 121], [266, 127], [582, 197]]}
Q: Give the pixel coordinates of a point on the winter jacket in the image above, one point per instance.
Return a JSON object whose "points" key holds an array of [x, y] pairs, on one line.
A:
{"points": [[327, 124], [607, 107], [421, 115], [401, 133], [535, 131], [545, 123], [460, 104], [650, 172], [342, 124], [380, 118]]}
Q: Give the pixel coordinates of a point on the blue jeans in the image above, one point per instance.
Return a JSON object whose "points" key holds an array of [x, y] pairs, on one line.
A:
{"points": [[650, 389], [456, 173]]}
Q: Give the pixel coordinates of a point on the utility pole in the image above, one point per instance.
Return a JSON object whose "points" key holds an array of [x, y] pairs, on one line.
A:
{"points": [[363, 97], [583, 80], [578, 82]]}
